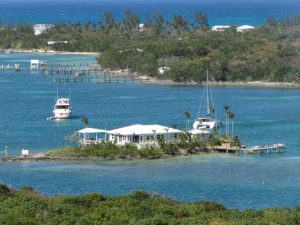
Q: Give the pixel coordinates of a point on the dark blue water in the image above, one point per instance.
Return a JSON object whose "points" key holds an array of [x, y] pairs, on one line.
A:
{"points": [[263, 116], [253, 12]]}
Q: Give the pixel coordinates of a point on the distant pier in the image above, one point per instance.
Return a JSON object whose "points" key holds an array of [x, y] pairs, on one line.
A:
{"points": [[79, 72]]}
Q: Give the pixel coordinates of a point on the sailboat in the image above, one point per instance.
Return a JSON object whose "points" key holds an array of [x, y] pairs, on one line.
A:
{"points": [[207, 122]]}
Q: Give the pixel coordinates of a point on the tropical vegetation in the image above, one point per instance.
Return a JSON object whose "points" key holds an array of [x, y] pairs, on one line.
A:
{"points": [[188, 48], [109, 150], [28, 206]]}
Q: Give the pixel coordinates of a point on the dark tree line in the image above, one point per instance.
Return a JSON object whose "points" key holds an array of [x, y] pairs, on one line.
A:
{"points": [[268, 53]]}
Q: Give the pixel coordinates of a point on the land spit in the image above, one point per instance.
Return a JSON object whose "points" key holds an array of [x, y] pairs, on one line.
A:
{"points": [[256, 150]]}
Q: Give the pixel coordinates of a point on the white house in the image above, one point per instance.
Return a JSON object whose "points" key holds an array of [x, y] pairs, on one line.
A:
{"points": [[90, 135], [220, 28], [141, 27], [163, 69], [56, 42], [40, 28], [35, 64], [142, 135], [244, 28]]}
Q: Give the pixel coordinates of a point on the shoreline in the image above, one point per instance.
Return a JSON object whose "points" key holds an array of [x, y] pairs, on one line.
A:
{"points": [[249, 84], [45, 51], [44, 157], [150, 80]]}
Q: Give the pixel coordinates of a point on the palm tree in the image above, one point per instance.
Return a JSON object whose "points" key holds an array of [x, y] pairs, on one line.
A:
{"points": [[180, 23], [159, 23], [202, 20], [226, 110], [131, 21], [167, 130], [187, 120], [85, 121], [108, 19], [231, 117]]}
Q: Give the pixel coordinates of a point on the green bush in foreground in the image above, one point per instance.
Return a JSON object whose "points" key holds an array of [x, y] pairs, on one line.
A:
{"points": [[26, 206]]}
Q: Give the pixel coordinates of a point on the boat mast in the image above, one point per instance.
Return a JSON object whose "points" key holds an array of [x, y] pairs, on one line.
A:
{"points": [[207, 96]]}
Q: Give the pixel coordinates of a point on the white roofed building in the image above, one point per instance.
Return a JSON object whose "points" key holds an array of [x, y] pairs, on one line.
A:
{"points": [[40, 28], [141, 27], [244, 28], [163, 69], [90, 135], [143, 135], [220, 28], [56, 42]]}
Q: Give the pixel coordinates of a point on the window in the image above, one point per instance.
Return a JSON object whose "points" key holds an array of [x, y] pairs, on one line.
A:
{"points": [[160, 137], [135, 139], [62, 107]]}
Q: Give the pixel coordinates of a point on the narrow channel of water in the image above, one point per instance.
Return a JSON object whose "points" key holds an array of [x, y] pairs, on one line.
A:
{"points": [[263, 116]]}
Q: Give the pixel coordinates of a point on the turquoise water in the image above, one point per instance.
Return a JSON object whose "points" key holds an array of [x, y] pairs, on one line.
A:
{"points": [[263, 116], [232, 12]]}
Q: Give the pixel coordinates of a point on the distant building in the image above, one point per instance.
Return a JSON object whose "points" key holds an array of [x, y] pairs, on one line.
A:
{"points": [[244, 28], [57, 42], [36, 64], [40, 28], [220, 28], [163, 69], [141, 27]]}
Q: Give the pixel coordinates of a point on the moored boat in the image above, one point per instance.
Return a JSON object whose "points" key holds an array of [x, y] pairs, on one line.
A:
{"points": [[62, 108], [207, 122]]}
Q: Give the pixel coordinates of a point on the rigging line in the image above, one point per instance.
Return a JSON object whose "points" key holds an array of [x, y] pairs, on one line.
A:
{"points": [[212, 100], [201, 101]]}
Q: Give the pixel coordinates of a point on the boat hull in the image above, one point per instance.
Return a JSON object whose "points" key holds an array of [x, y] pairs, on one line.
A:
{"points": [[62, 115]]}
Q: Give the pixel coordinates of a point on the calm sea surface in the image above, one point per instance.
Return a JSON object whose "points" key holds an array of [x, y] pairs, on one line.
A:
{"points": [[253, 12], [263, 116]]}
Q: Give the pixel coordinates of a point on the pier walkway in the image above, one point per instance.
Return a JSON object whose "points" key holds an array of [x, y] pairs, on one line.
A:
{"points": [[80, 72], [255, 150]]}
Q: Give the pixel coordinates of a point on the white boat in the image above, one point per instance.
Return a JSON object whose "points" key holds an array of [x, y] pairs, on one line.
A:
{"points": [[207, 122], [62, 108]]}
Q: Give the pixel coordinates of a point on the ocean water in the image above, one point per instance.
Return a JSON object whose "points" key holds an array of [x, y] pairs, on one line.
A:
{"points": [[263, 116], [234, 12]]}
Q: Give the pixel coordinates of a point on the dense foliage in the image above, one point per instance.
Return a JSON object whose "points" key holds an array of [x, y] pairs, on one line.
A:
{"points": [[268, 53], [27, 206]]}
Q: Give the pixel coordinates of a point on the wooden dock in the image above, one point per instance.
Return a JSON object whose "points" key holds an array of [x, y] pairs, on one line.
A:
{"points": [[78, 73], [267, 149], [255, 150], [15, 67]]}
